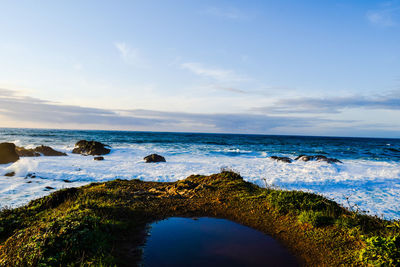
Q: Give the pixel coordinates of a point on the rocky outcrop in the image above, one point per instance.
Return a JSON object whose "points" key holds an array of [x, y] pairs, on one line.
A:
{"points": [[283, 159], [98, 158], [8, 153], [38, 151], [10, 174], [24, 152], [48, 151], [90, 148], [304, 158], [318, 158], [154, 158]]}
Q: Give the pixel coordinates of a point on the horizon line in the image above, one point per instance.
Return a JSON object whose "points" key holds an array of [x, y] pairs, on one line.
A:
{"points": [[184, 132]]}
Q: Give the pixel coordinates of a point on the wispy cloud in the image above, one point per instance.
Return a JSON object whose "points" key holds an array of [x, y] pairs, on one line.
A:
{"points": [[231, 13], [24, 109], [129, 55], [386, 16], [217, 74], [29, 109], [388, 101], [233, 123], [231, 89]]}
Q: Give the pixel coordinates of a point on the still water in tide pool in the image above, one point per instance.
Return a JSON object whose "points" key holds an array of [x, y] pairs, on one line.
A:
{"points": [[211, 242]]}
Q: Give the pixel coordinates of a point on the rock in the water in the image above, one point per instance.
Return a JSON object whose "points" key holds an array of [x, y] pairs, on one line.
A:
{"points": [[98, 158], [90, 148], [38, 151], [30, 175], [326, 159], [8, 153], [318, 158], [24, 152], [10, 174], [154, 158], [304, 158], [283, 159], [48, 151]]}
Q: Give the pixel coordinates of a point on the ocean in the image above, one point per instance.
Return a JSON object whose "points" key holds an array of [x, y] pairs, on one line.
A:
{"points": [[368, 179]]}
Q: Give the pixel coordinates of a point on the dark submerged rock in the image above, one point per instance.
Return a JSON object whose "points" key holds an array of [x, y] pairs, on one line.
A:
{"points": [[318, 158], [98, 158], [30, 175], [304, 158], [283, 159], [154, 158], [24, 152], [38, 151], [8, 153], [48, 151], [93, 148], [10, 174], [326, 159]]}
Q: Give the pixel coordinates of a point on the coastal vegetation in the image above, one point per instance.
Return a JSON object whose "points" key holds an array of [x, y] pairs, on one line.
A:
{"points": [[106, 223]]}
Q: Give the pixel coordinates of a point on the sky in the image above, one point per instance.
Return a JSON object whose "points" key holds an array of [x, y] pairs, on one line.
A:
{"points": [[329, 68]]}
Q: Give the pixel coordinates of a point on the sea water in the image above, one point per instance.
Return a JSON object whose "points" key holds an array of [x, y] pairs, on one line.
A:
{"points": [[368, 179]]}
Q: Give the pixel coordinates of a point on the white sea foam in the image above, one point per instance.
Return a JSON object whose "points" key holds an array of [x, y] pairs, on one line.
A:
{"points": [[372, 185]]}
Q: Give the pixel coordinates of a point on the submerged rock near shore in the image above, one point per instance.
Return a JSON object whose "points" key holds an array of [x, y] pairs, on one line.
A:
{"points": [[24, 152], [48, 151], [93, 148], [38, 151], [307, 158], [318, 158], [8, 153], [154, 158], [283, 159]]}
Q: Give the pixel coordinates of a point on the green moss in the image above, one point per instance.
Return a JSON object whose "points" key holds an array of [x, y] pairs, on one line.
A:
{"points": [[315, 218], [381, 251], [298, 201]]}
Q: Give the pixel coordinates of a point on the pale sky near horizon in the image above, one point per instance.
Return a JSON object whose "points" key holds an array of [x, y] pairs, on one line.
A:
{"points": [[266, 67]]}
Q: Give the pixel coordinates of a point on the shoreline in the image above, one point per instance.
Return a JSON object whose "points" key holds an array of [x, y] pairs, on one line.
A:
{"points": [[114, 215], [333, 181]]}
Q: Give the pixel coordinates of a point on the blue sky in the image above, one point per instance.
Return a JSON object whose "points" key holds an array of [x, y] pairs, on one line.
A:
{"points": [[268, 67]]}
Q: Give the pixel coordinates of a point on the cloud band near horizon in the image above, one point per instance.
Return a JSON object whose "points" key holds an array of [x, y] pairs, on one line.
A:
{"points": [[44, 114]]}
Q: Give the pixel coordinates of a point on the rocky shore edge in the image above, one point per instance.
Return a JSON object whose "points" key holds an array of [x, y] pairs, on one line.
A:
{"points": [[106, 223]]}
